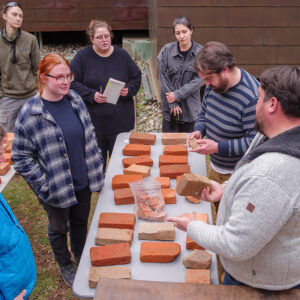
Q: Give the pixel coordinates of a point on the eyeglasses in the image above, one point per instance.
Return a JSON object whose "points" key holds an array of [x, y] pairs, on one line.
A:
{"points": [[102, 37], [61, 79]]}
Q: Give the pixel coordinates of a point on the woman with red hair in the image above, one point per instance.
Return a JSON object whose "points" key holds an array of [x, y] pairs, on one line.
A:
{"points": [[56, 152]]}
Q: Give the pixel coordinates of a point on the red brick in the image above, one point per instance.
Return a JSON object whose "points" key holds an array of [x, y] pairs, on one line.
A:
{"points": [[137, 169], [142, 160], [159, 252], [173, 171], [164, 182], [172, 160], [8, 148], [136, 149], [175, 150], [142, 138], [9, 137], [169, 196], [122, 181], [174, 138], [114, 254], [190, 244], [117, 220], [123, 196], [197, 276], [4, 168], [192, 184], [7, 157]]}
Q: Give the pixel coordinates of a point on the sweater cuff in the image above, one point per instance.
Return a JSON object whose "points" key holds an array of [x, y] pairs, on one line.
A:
{"points": [[223, 148]]}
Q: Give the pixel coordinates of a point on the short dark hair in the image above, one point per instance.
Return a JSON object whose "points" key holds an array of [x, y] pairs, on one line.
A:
{"points": [[184, 21], [214, 57], [9, 5], [283, 83]]}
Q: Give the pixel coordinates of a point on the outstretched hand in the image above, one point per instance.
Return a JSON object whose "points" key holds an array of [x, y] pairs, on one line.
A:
{"points": [[206, 147], [183, 221]]}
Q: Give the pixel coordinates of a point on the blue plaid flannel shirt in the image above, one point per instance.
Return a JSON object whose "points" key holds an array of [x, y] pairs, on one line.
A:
{"points": [[40, 155]]}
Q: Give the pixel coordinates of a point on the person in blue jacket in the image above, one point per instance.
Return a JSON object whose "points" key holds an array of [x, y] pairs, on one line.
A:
{"points": [[17, 265]]}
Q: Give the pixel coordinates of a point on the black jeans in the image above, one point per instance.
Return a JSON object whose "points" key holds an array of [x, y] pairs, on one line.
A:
{"points": [[180, 126], [61, 220], [106, 144]]}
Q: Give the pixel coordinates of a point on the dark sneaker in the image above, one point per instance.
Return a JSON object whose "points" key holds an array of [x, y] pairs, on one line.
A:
{"points": [[68, 272]]}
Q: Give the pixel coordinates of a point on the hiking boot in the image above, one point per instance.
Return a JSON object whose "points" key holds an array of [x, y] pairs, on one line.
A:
{"points": [[67, 272]]}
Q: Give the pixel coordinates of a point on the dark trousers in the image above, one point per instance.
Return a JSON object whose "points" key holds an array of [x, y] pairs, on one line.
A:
{"points": [[63, 220], [179, 127], [229, 280], [106, 144]]}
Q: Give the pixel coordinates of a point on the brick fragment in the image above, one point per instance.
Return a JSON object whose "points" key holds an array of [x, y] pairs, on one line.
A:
{"points": [[194, 144], [179, 149], [123, 196], [143, 160], [169, 196], [122, 181], [137, 169], [142, 138], [106, 236], [162, 231], [136, 149], [164, 182], [192, 184], [159, 252], [197, 259], [4, 168], [119, 272], [173, 171], [115, 254], [197, 276], [171, 138], [173, 160], [116, 220]]}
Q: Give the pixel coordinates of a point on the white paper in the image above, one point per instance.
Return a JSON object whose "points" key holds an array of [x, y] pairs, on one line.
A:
{"points": [[113, 89]]}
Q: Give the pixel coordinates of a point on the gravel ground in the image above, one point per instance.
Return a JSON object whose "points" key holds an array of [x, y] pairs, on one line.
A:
{"points": [[148, 114]]}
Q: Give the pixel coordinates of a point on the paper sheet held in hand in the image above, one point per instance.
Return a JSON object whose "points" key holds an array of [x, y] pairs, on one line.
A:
{"points": [[113, 89]]}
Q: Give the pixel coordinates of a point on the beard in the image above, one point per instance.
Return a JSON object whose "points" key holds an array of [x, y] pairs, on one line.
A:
{"points": [[258, 126], [221, 88]]}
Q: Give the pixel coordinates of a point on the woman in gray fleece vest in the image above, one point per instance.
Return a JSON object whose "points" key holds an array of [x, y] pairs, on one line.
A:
{"points": [[257, 234]]}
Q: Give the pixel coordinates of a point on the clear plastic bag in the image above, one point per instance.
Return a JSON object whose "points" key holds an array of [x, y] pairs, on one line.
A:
{"points": [[149, 202]]}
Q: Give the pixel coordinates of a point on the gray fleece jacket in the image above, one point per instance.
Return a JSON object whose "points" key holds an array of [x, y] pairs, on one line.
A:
{"points": [[258, 226]]}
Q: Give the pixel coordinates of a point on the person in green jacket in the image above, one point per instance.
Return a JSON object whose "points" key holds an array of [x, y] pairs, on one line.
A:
{"points": [[19, 61]]}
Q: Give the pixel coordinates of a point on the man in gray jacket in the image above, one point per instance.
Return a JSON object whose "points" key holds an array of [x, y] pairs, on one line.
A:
{"points": [[258, 226]]}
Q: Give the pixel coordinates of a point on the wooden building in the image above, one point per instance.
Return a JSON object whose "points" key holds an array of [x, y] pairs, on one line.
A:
{"points": [[74, 15], [260, 33]]}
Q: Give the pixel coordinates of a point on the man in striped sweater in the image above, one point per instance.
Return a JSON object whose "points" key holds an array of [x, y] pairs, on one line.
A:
{"points": [[227, 117]]}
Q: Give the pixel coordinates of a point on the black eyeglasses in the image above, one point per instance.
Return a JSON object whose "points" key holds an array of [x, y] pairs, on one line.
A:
{"points": [[61, 78], [11, 4]]}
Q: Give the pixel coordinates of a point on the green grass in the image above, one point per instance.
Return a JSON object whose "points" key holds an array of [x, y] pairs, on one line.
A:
{"points": [[33, 218]]}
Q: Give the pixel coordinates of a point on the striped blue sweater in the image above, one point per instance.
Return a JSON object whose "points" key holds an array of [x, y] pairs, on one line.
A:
{"points": [[229, 119]]}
